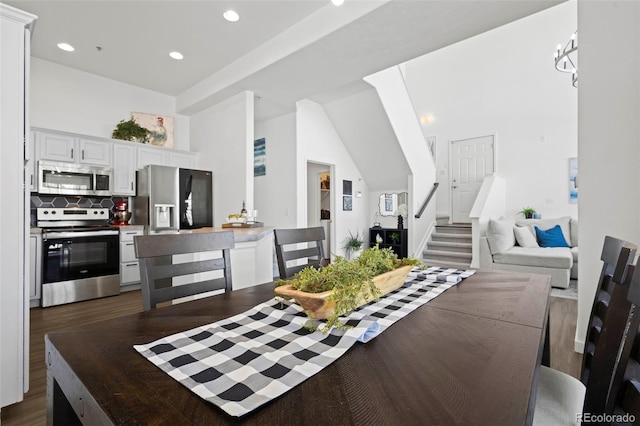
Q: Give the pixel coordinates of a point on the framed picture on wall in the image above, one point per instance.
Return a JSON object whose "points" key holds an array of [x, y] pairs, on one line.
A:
{"points": [[160, 128], [573, 180], [347, 187], [260, 157], [347, 203]]}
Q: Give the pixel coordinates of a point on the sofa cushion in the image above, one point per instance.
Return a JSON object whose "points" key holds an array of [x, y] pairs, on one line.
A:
{"points": [[554, 257], [551, 237], [500, 235], [545, 224], [524, 237], [574, 254]]}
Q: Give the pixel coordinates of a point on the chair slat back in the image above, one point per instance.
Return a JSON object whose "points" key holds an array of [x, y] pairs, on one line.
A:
{"points": [[615, 261], [157, 268], [624, 394], [604, 358], [312, 255]]}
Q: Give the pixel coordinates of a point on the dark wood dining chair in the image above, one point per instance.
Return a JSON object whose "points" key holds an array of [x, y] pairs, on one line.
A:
{"points": [[560, 398], [157, 269], [614, 265], [624, 394], [294, 259]]}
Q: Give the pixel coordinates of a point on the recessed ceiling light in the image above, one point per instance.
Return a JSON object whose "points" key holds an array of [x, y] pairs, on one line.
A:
{"points": [[66, 47], [426, 118], [337, 2], [231, 15], [176, 55]]}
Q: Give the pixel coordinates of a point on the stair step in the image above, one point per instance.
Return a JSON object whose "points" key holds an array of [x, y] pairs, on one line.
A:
{"points": [[443, 254], [447, 264], [456, 246], [453, 229], [462, 238]]}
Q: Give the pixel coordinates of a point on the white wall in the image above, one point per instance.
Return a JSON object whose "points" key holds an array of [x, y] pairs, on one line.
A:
{"points": [[317, 141], [275, 193], [223, 135], [391, 87], [503, 82], [74, 101], [609, 136]]}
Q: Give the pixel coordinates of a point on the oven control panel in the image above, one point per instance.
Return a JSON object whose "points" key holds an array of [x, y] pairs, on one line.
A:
{"points": [[72, 213]]}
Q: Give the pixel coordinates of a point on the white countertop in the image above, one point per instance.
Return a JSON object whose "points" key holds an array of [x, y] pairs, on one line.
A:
{"points": [[240, 234]]}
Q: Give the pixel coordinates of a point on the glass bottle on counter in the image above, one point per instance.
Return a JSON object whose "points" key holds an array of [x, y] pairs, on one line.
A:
{"points": [[243, 212]]}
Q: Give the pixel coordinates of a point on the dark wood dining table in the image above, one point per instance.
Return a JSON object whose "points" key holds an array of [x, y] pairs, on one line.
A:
{"points": [[469, 356]]}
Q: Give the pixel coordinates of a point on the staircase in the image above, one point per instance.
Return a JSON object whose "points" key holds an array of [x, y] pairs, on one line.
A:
{"points": [[450, 246]]}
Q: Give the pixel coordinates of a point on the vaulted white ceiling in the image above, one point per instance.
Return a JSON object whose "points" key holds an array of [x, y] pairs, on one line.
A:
{"points": [[283, 50]]}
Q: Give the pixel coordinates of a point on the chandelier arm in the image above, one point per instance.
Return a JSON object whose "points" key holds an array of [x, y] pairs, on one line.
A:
{"points": [[560, 62]]}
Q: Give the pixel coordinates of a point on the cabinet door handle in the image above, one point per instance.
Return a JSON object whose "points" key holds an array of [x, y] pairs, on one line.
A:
{"points": [[131, 264], [31, 180], [129, 244], [72, 153], [132, 186], [83, 154], [131, 233]]}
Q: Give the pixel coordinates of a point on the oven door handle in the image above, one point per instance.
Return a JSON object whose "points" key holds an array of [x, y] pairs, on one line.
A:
{"points": [[78, 234]]}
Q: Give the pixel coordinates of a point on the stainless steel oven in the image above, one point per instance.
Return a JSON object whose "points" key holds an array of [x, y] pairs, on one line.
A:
{"points": [[80, 256]]}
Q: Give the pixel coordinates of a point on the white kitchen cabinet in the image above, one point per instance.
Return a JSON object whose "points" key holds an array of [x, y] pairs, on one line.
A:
{"points": [[35, 251], [124, 169], [14, 227], [94, 152], [148, 154], [151, 155], [56, 147], [124, 157], [69, 148], [129, 266], [186, 160], [32, 163]]}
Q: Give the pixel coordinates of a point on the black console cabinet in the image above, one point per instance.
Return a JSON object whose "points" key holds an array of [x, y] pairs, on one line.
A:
{"points": [[391, 237]]}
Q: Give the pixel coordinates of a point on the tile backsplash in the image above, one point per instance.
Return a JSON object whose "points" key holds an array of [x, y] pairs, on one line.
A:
{"points": [[71, 201]]}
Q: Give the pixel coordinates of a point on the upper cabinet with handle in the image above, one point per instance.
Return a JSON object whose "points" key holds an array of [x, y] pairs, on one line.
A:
{"points": [[72, 149], [123, 157]]}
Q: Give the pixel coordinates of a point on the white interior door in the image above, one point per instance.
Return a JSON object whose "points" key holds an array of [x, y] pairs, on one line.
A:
{"points": [[471, 160]]}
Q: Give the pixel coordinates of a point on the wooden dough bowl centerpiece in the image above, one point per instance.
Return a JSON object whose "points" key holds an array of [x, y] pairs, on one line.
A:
{"points": [[345, 285]]}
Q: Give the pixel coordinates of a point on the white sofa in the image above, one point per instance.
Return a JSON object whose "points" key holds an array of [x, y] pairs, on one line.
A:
{"points": [[499, 249]]}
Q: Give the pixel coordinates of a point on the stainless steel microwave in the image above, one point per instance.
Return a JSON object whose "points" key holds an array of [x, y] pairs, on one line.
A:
{"points": [[74, 179]]}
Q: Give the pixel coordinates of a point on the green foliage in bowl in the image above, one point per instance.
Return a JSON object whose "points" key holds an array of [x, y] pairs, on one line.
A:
{"points": [[349, 279]]}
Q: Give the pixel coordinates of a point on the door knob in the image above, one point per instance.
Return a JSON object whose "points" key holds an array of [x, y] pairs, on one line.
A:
{"points": [[454, 187]]}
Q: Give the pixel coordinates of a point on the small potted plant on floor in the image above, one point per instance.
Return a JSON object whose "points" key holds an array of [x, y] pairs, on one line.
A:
{"points": [[528, 212]]}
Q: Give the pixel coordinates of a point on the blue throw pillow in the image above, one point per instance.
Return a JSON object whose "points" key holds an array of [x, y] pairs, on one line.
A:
{"points": [[551, 237]]}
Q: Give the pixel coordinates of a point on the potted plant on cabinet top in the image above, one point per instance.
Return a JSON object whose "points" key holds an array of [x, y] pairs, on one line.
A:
{"points": [[352, 245], [130, 131], [528, 212]]}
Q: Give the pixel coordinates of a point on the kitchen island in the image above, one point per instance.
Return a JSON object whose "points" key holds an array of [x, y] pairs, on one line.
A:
{"points": [[252, 257]]}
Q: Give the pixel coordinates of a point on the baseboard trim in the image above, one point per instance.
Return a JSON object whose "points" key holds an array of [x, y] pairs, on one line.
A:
{"points": [[578, 346]]}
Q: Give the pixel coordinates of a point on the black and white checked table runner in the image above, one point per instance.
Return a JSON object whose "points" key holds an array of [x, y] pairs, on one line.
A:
{"points": [[244, 361]]}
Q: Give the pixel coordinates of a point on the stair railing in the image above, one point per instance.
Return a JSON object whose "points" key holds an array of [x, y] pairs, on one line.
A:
{"points": [[426, 202]]}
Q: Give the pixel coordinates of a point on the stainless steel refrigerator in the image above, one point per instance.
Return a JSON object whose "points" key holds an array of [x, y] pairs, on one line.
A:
{"points": [[172, 198]]}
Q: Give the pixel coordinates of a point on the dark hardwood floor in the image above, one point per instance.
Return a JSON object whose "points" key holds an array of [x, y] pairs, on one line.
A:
{"points": [[32, 411]]}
